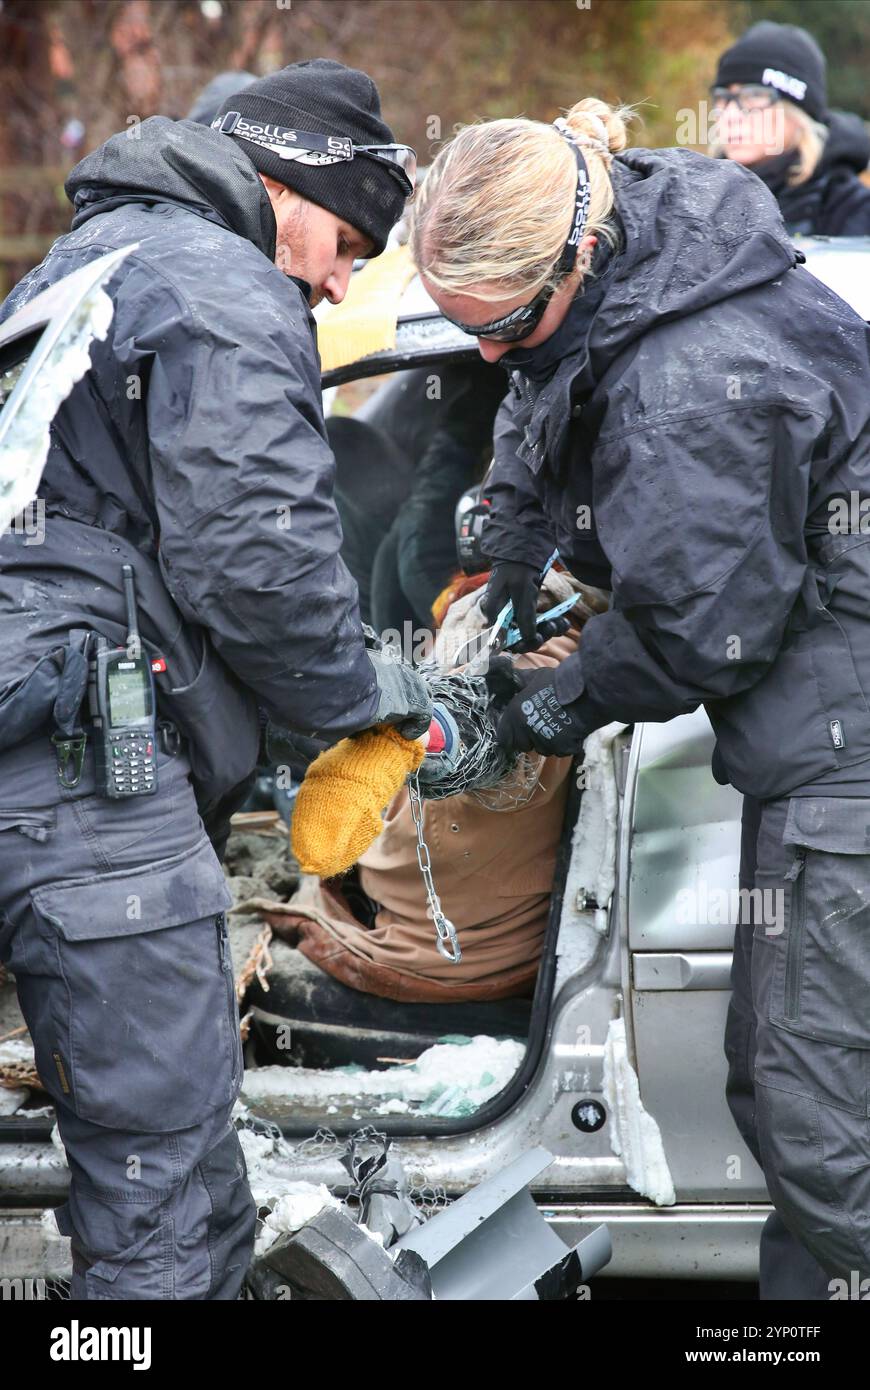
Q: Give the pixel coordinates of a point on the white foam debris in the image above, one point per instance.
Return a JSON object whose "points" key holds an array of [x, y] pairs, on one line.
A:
{"points": [[25, 447], [267, 1164], [634, 1135], [391, 1107], [11, 1100], [294, 1209], [17, 1050], [57, 1142], [591, 876], [451, 1078]]}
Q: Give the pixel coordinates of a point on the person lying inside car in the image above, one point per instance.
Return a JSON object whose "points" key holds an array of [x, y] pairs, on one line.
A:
{"points": [[493, 856]]}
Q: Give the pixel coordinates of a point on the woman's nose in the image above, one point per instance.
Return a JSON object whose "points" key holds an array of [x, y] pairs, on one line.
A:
{"points": [[490, 351]]}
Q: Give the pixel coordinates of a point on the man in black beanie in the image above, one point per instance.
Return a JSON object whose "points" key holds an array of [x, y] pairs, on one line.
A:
{"points": [[194, 451], [273, 122], [770, 97]]}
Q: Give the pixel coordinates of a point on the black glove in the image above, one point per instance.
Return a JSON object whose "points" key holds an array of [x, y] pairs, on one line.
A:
{"points": [[283, 747], [553, 627], [534, 721], [503, 680], [512, 579]]}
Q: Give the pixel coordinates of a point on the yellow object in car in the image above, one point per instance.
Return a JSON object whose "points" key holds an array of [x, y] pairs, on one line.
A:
{"points": [[338, 809], [365, 321]]}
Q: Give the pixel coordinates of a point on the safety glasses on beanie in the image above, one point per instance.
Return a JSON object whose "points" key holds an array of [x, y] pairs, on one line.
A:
{"points": [[521, 323], [310, 147]]}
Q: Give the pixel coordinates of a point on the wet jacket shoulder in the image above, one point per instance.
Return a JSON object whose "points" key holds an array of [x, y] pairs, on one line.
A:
{"points": [[721, 396], [834, 201], [242, 479], [198, 436]]}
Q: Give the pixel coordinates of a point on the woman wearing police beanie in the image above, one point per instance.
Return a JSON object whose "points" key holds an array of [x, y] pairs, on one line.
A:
{"points": [[770, 96]]}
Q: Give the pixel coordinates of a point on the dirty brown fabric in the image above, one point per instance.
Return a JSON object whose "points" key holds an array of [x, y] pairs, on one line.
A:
{"points": [[493, 871]]}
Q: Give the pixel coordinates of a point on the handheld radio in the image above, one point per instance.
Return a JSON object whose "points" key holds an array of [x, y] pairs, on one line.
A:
{"points": [[124, 710]]}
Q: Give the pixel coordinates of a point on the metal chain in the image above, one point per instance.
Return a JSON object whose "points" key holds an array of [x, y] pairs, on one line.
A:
{"points": [[443, 926]]}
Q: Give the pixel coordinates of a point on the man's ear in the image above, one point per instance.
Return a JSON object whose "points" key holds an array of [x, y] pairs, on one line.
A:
{"points": [[272, 186]]}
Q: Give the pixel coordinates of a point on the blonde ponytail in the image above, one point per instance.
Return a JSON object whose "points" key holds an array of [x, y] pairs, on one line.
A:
{"points": [[604, 128], [496, 206]]}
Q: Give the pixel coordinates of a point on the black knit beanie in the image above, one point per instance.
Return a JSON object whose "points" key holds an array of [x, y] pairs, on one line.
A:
{"points": [[328, 99], [781, 56]]}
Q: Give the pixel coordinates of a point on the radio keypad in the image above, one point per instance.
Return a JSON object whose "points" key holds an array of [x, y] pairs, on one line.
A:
{"points": [[133, 771]]}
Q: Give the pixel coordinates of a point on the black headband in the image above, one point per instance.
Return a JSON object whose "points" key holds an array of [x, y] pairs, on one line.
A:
{"points": [[582, 197]]}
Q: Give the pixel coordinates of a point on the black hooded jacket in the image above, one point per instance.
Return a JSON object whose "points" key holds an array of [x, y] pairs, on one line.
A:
{"points": [[833, 201], [692, 456], [196, 449]]}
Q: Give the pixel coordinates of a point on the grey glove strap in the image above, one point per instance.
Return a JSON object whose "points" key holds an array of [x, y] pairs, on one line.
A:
{"points": [[404, 699]]}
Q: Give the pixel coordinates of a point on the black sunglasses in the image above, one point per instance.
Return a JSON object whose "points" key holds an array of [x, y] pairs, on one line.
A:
{"points": [[521, 323]]}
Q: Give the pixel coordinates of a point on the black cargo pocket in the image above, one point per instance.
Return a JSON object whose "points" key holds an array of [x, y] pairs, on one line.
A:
{"points": [[37, 824], [114, 829], [821, 980], [137, 1029], [144, 1270]]}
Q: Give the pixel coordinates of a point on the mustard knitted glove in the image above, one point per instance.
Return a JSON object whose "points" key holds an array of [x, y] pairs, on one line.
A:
{"points": [[338, 809]]}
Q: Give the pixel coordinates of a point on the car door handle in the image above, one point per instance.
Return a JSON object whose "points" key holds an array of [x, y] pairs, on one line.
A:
{"points": [[682, 970]]}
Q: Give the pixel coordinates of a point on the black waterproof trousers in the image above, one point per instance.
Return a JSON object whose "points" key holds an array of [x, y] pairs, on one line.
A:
{"points": [[112, 922], [798, 1038]]}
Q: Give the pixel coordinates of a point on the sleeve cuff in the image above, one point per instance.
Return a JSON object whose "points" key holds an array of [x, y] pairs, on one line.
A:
{"points": [[568, 681]]}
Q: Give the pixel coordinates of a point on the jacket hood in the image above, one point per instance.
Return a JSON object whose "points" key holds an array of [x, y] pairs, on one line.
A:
{"points": [[212, 97], [177, 162], [696, 231], [848, 143]]}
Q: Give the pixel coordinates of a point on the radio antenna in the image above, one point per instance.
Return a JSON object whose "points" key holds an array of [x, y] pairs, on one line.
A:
{"points": [[133, 641]]}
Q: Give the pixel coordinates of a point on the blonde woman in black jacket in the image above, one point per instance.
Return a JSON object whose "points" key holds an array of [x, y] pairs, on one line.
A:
{"points": [[689, 422]]}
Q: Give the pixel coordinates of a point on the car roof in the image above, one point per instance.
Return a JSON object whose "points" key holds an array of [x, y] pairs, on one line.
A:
{"points": [[423, 337], [843, 264]]}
